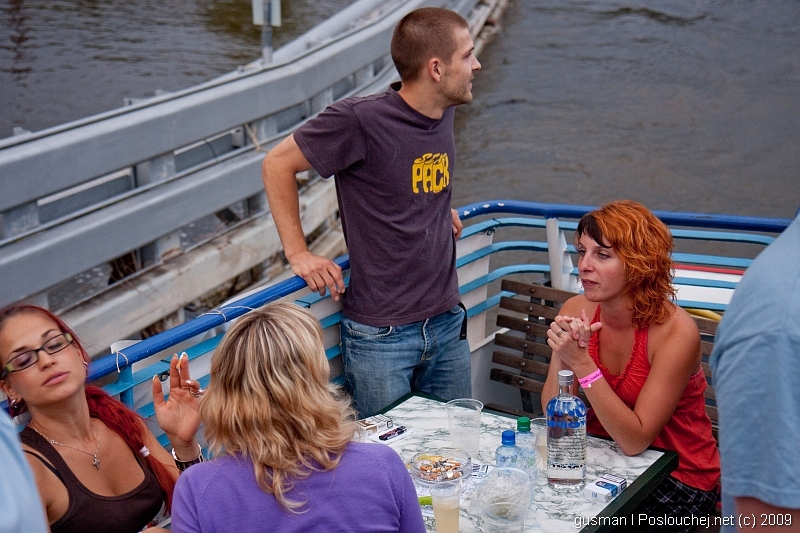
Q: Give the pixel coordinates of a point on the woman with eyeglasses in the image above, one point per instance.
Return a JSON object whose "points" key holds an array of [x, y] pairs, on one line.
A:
{"points": [[97, 466]]}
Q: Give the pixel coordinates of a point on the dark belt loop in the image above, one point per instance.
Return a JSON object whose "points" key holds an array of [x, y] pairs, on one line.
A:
{"points": [[463, 335]]}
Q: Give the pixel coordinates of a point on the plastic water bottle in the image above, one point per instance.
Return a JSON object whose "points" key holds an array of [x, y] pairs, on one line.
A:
{"points": [[507, 454], [527, 444]]}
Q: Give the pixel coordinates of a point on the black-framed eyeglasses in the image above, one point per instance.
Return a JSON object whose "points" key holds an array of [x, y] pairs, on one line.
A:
{"points": [[29, 358]]}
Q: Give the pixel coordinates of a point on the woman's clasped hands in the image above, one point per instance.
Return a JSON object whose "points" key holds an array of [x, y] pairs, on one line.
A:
{"points": [[569, 337]]}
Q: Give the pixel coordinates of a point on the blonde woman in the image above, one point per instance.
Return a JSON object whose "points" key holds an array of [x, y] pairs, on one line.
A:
{"points": [[289, 463]]}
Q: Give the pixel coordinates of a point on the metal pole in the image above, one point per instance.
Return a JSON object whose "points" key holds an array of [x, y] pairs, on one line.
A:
{"points": [[266, 33], [556, 246]]}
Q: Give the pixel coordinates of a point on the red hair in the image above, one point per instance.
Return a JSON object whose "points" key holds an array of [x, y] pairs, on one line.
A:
{"points": [[644, 244], [118, 418]]}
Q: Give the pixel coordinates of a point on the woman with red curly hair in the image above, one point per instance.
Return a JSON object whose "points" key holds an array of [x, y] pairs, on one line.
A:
{"points": [[638, 356], [97, 466]]}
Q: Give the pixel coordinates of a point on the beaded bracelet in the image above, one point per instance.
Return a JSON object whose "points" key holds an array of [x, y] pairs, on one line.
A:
{"points": [[586, 382], [183, 465]]}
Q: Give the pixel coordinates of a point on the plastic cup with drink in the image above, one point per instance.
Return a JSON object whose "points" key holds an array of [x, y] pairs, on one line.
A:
{"points": [[539, 425], [446, 499]]}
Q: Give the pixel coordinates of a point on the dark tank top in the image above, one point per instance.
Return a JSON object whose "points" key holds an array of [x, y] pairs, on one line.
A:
{"points": [[92, 513]]}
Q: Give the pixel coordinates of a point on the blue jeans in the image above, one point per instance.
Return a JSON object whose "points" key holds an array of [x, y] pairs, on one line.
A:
{"points": [[382, 364]]}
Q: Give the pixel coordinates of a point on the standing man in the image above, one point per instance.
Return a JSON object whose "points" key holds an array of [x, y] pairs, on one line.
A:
{"points": [[755, 363], [393, 157]]}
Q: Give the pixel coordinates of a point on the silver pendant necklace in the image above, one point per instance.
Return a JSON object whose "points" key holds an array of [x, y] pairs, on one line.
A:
{"points": [[95, 462]]}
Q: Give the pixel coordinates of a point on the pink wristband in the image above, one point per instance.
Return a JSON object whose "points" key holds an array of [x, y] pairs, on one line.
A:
{"points": [[586, 382]]}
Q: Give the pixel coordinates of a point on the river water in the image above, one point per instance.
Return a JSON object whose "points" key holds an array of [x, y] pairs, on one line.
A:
{"points": [[691, 106], [61, 60], [688, 106]]}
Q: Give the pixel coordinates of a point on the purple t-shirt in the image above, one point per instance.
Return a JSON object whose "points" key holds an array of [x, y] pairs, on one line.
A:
{"points": [[393, 168], [370, 490]]}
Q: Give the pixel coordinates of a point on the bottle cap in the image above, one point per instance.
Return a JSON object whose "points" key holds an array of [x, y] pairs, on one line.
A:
{"points": [[509, 438], [565, 377], [523, 423]]}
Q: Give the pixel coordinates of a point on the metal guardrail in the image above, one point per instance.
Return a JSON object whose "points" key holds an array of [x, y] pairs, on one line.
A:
{"points": [[82, 194], [671, 218], [560, 260]]}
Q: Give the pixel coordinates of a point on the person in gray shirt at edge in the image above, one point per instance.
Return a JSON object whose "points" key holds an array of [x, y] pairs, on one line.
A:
{"points": [[392, 155], [755, 364], [20, 506]]}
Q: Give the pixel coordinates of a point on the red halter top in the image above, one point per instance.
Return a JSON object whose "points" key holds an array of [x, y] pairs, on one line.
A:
{"points": [[687, 432]]}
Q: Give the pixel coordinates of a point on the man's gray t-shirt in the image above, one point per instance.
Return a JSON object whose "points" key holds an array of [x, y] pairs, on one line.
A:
{"points": [[393, 168]]}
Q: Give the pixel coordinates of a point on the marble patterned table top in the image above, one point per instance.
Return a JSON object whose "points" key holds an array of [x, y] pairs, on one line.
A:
{"points": [[551, 511]]}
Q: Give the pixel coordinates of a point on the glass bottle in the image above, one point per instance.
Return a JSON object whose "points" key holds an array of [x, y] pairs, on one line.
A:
{"points": [[566, 437]]}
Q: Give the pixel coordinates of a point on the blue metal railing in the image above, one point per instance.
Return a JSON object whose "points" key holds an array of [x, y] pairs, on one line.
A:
{"points": [[199, 325], [697, 220], [125, 358]]}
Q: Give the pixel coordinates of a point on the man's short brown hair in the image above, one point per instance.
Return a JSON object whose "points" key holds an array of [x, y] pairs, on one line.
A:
{"points": [[421, 35]]}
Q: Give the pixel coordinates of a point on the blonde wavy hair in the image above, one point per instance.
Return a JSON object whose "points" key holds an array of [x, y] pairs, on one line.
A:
{"points": [[644, 244], [270, 399]]}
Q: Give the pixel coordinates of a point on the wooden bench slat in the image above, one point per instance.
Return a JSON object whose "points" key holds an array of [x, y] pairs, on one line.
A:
{"points": [[515, 412], [523, 383], [520, 363], [531, 329], [525, 346], [536, 291], [709, 394], [708, 328], [706, 348], [706, 325], [515, 380], [528, 308]]}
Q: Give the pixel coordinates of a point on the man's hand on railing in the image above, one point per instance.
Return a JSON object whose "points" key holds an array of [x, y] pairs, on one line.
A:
{"points": [[319, 273], [179, 416], [458, 226]]}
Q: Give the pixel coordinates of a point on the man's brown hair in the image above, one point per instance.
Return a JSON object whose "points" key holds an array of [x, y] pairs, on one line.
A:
{"points": [[421, 35]]}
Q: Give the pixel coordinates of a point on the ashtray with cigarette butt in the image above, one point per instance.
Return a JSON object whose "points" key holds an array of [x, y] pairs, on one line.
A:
{"points": [[445, 464]]}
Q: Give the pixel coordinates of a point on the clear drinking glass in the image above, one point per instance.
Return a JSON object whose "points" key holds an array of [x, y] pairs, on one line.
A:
{"points": [[509, 485], [464, 417], [504, 517]]}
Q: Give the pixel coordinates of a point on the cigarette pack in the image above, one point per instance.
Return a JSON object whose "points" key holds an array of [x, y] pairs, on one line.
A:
{"points": [[605, 488], [376, 424]]}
